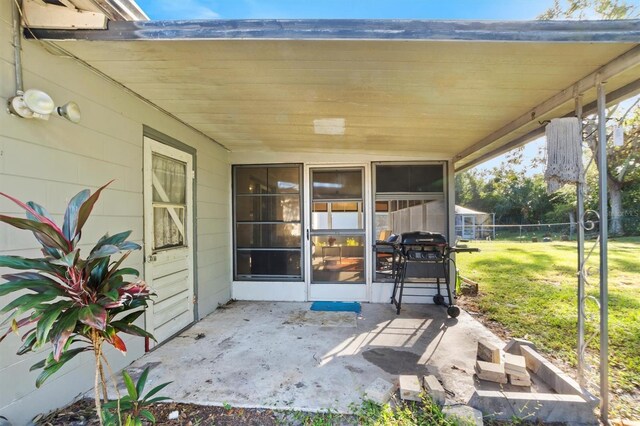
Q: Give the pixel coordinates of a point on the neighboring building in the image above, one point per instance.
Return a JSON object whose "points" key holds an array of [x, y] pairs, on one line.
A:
{"points": [[260, 160], [474, 225]]}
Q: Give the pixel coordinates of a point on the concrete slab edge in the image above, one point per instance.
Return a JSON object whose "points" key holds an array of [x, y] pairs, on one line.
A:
{"points": [[261, 407], [554, 377], [545, 407]]}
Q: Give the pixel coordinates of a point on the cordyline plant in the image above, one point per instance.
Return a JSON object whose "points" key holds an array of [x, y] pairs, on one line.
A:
{"points": [[76, 304]]}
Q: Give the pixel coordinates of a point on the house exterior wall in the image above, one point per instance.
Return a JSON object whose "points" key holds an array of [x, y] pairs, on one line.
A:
{"points": [[50, 161], [379, 292]]}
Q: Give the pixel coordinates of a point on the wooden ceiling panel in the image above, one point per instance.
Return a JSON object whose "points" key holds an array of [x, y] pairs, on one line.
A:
{"points": [[395, 96]]}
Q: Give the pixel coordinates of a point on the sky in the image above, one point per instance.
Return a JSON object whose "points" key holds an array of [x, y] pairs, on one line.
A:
{"points": [[344, 9], [353, 9]]}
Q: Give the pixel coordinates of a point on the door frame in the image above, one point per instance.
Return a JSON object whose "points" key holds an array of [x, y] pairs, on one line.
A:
{"points": [[307, 249], [192, 231]]}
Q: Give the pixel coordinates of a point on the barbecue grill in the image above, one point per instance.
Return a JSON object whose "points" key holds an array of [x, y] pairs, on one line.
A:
{"points": [[429, 256]]}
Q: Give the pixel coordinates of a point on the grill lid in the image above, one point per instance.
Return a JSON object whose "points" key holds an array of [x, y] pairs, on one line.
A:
{"points": [[423, 238]]}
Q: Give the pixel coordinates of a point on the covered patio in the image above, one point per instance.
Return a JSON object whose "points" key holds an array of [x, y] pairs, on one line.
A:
{"points": [[295, 146], [282, 355]]}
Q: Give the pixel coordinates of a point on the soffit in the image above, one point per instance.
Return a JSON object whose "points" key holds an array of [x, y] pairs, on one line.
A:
{"points": [[419, 97]]}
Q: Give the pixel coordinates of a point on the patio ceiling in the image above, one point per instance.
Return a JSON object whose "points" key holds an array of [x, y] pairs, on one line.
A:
{"points": [[441, 94]]}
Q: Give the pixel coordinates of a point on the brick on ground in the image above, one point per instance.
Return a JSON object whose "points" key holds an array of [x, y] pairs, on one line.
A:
{"points": [[410, 387], [380, 391], [434, 389], [515, 364], [488, 352], [491, 372], [520, 380]]}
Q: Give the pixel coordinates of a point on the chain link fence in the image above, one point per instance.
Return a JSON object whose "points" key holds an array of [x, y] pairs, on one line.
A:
{"points": [[545, 232]]}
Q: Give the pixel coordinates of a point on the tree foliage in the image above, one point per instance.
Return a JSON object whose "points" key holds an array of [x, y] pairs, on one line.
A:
{"points": [[66, 302], [516, 196]]}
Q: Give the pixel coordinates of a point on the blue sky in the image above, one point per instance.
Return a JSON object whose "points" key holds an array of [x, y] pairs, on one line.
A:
{"points": [[356, 9]]}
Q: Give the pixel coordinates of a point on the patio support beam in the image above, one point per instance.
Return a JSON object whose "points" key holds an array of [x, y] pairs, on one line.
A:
{"points": [[580, 244], [604, 235], [624, 62], [615, 96]]}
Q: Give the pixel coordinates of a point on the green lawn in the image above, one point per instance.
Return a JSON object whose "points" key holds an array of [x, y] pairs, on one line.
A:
{"points": [[530, 290]]}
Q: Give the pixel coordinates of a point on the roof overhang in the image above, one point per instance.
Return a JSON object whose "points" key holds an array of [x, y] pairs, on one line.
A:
{"points": [[449, 89]]}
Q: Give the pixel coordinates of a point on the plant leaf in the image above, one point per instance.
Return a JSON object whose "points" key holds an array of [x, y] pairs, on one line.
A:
{"points": [[69, 259], [38, 217], [130, 318], [62, 329], [98, 271], [28, 344], [39, 364], [130, 245], [27, 302], [23, 264], [48, 318], [57, 365], [157, 399], [118, 343], [147, 415], [131, 329], [104, 251], [87, 207], [94, 316], [46, 234], [131, 388], [125, 271], [29, 281], [115, 240], [16, 325], [113, 269], [71, 214], [112, 295], [142, 381], [40, 210], [155, 391]]}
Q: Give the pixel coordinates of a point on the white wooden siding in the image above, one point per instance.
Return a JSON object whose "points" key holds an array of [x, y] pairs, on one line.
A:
{"points": [[49, 162]]}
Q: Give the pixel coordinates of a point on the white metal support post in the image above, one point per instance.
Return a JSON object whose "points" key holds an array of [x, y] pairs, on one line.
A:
{"points": [[581, 259], [604, 286]]}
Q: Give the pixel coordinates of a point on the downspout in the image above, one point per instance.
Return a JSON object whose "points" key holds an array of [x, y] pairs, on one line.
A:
{"points": [[17, 44]]}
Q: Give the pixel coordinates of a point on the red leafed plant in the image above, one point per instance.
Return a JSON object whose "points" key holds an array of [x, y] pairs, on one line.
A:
{"points": [[76, 304]]}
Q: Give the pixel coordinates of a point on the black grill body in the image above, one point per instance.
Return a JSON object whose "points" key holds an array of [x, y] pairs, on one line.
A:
{"points": [[429, 254]]}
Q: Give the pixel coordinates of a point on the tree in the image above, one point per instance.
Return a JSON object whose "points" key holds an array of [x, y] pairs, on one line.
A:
{"points": [[623, 168], [70, 304]]}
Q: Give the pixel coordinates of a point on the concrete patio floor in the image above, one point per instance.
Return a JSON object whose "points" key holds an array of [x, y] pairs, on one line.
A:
{"points": [[282, 355]]}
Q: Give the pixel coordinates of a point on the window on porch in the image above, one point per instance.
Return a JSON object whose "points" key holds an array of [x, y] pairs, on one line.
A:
{"points": [[408, 197], [267, 216]]}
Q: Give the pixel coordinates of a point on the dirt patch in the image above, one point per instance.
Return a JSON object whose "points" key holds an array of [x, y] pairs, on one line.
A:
{"points": [[82, 413]]}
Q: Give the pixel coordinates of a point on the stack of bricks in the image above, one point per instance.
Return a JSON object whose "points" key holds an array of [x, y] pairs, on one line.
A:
{"points": [[489, 364], [495, 366], [515, 366]]}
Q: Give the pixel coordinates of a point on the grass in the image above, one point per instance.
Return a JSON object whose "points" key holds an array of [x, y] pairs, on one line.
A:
{"points": [[530, 290], [368, 413]]}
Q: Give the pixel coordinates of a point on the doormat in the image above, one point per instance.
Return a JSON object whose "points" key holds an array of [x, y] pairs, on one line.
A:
{"points": [[337, 306]]}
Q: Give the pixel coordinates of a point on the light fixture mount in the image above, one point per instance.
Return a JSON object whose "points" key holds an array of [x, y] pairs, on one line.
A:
{"points": [[34, 103]]}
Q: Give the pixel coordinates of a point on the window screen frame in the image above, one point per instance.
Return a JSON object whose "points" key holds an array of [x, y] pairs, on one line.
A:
{"points": [[236, 250], [408, 196]]}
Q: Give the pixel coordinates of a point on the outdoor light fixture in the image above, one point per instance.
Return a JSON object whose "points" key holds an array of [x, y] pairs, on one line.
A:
{"points": [[34, 103], [70, 111]]}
